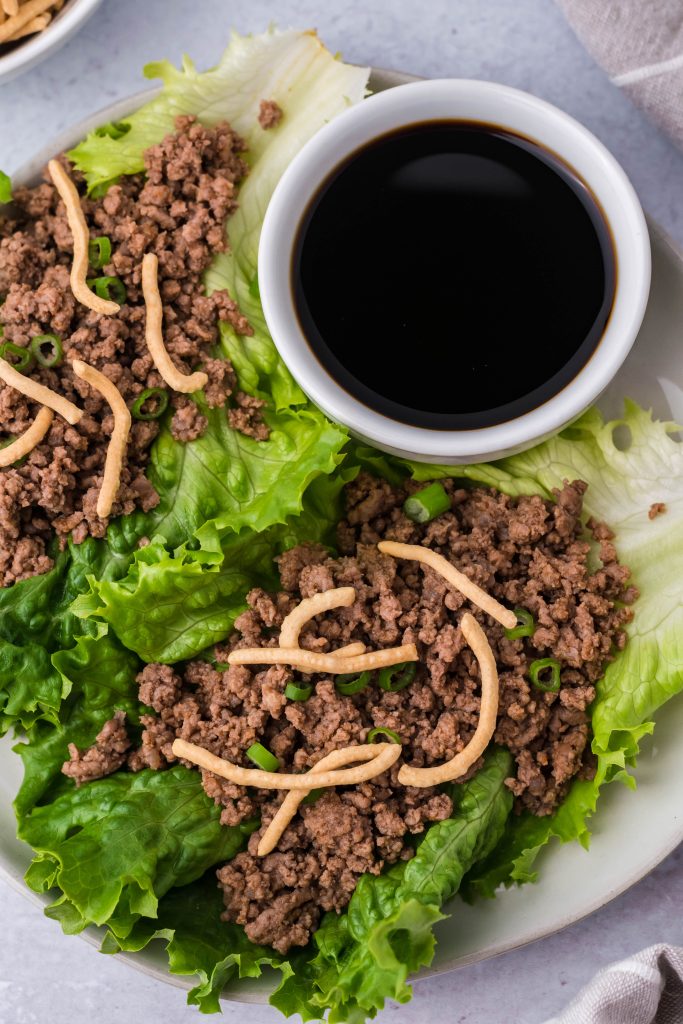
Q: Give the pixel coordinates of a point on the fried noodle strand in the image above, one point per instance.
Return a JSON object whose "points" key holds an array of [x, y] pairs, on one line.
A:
{"points": [[457, 579], [29, 440], [309, 661], [36, 24], [119, 436], [39, 393], [380, 755], [22, 16], [154, 315], [462, 762], [339, 597], [79, 229], [337, 759]]}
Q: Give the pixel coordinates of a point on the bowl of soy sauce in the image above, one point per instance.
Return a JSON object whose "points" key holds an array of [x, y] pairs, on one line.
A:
{"points": [[454, 269]]}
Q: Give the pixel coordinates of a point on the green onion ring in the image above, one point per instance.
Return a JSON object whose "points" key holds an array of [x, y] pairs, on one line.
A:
{"points": [[23, 357], [427, 504], [99, 252], [56, 358], [382, 730], [263, 758], [313, 796], [294, 692], [150, 394], [542, 665], [347, 684], [526, 625], [109, 288], [406, 673]]}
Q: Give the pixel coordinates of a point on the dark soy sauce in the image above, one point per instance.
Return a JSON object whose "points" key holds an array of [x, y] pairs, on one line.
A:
{"points": [[453, 274]]}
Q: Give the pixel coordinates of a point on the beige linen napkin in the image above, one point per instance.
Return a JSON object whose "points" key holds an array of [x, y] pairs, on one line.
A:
{"points": [[640, 45], [645, 989]]}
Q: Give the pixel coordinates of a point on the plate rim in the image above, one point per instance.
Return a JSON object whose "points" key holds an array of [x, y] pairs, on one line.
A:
{"points": [[383, 78]]}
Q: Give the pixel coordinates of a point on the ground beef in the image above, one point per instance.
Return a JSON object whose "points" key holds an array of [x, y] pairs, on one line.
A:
{"points": [[246, 417], [188, 422], [657, 508], [270, 114], [176, 209], [527, 552], [107, 754]]}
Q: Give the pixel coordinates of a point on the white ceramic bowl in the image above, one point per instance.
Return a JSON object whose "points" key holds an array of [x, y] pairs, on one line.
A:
{"points": [[453, 99], [35, 48]]}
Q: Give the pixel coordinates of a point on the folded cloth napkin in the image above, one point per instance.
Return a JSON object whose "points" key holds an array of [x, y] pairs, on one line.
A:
{"points": [[640, 45], [645, 989]]}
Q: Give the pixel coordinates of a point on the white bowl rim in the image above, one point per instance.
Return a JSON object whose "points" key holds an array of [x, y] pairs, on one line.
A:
{"points": [[325, 151]]}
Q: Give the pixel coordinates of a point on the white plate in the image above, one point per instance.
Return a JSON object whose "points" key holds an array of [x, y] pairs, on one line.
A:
{"points": [[632, 832]]}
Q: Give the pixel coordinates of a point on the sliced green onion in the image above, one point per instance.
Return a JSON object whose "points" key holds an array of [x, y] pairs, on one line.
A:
{"points": [[99, 251], [154, 395], [294, 692], [406, 673], [382, 730], [348, 684], [427, 504], [110, 288], [54, 356], [254, 289], [22, 358], [313, 796], [526, 625], [263, 758], [221, 666], [538, 673]]}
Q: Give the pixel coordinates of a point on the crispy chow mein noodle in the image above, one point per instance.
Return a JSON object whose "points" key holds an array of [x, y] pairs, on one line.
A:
{"points": [[81, 237], [458, 765], [457, 579], [39, 393], [119, 437], [183, 382], [29, 440]]}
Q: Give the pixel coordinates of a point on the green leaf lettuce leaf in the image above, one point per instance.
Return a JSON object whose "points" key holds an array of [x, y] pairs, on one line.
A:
{"points": [[234, 481], [36, 623], [624, 479], [113, 848], [172, 605], [361, 957], [98, 675], [224, 475]]}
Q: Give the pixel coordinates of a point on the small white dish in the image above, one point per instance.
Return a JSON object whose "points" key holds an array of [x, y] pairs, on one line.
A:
{"points": [[455, 99], [32, 49]]}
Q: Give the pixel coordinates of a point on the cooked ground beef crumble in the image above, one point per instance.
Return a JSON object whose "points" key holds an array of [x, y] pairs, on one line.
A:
{"points": [[177, 209], [270, 114], [527, 552]]}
